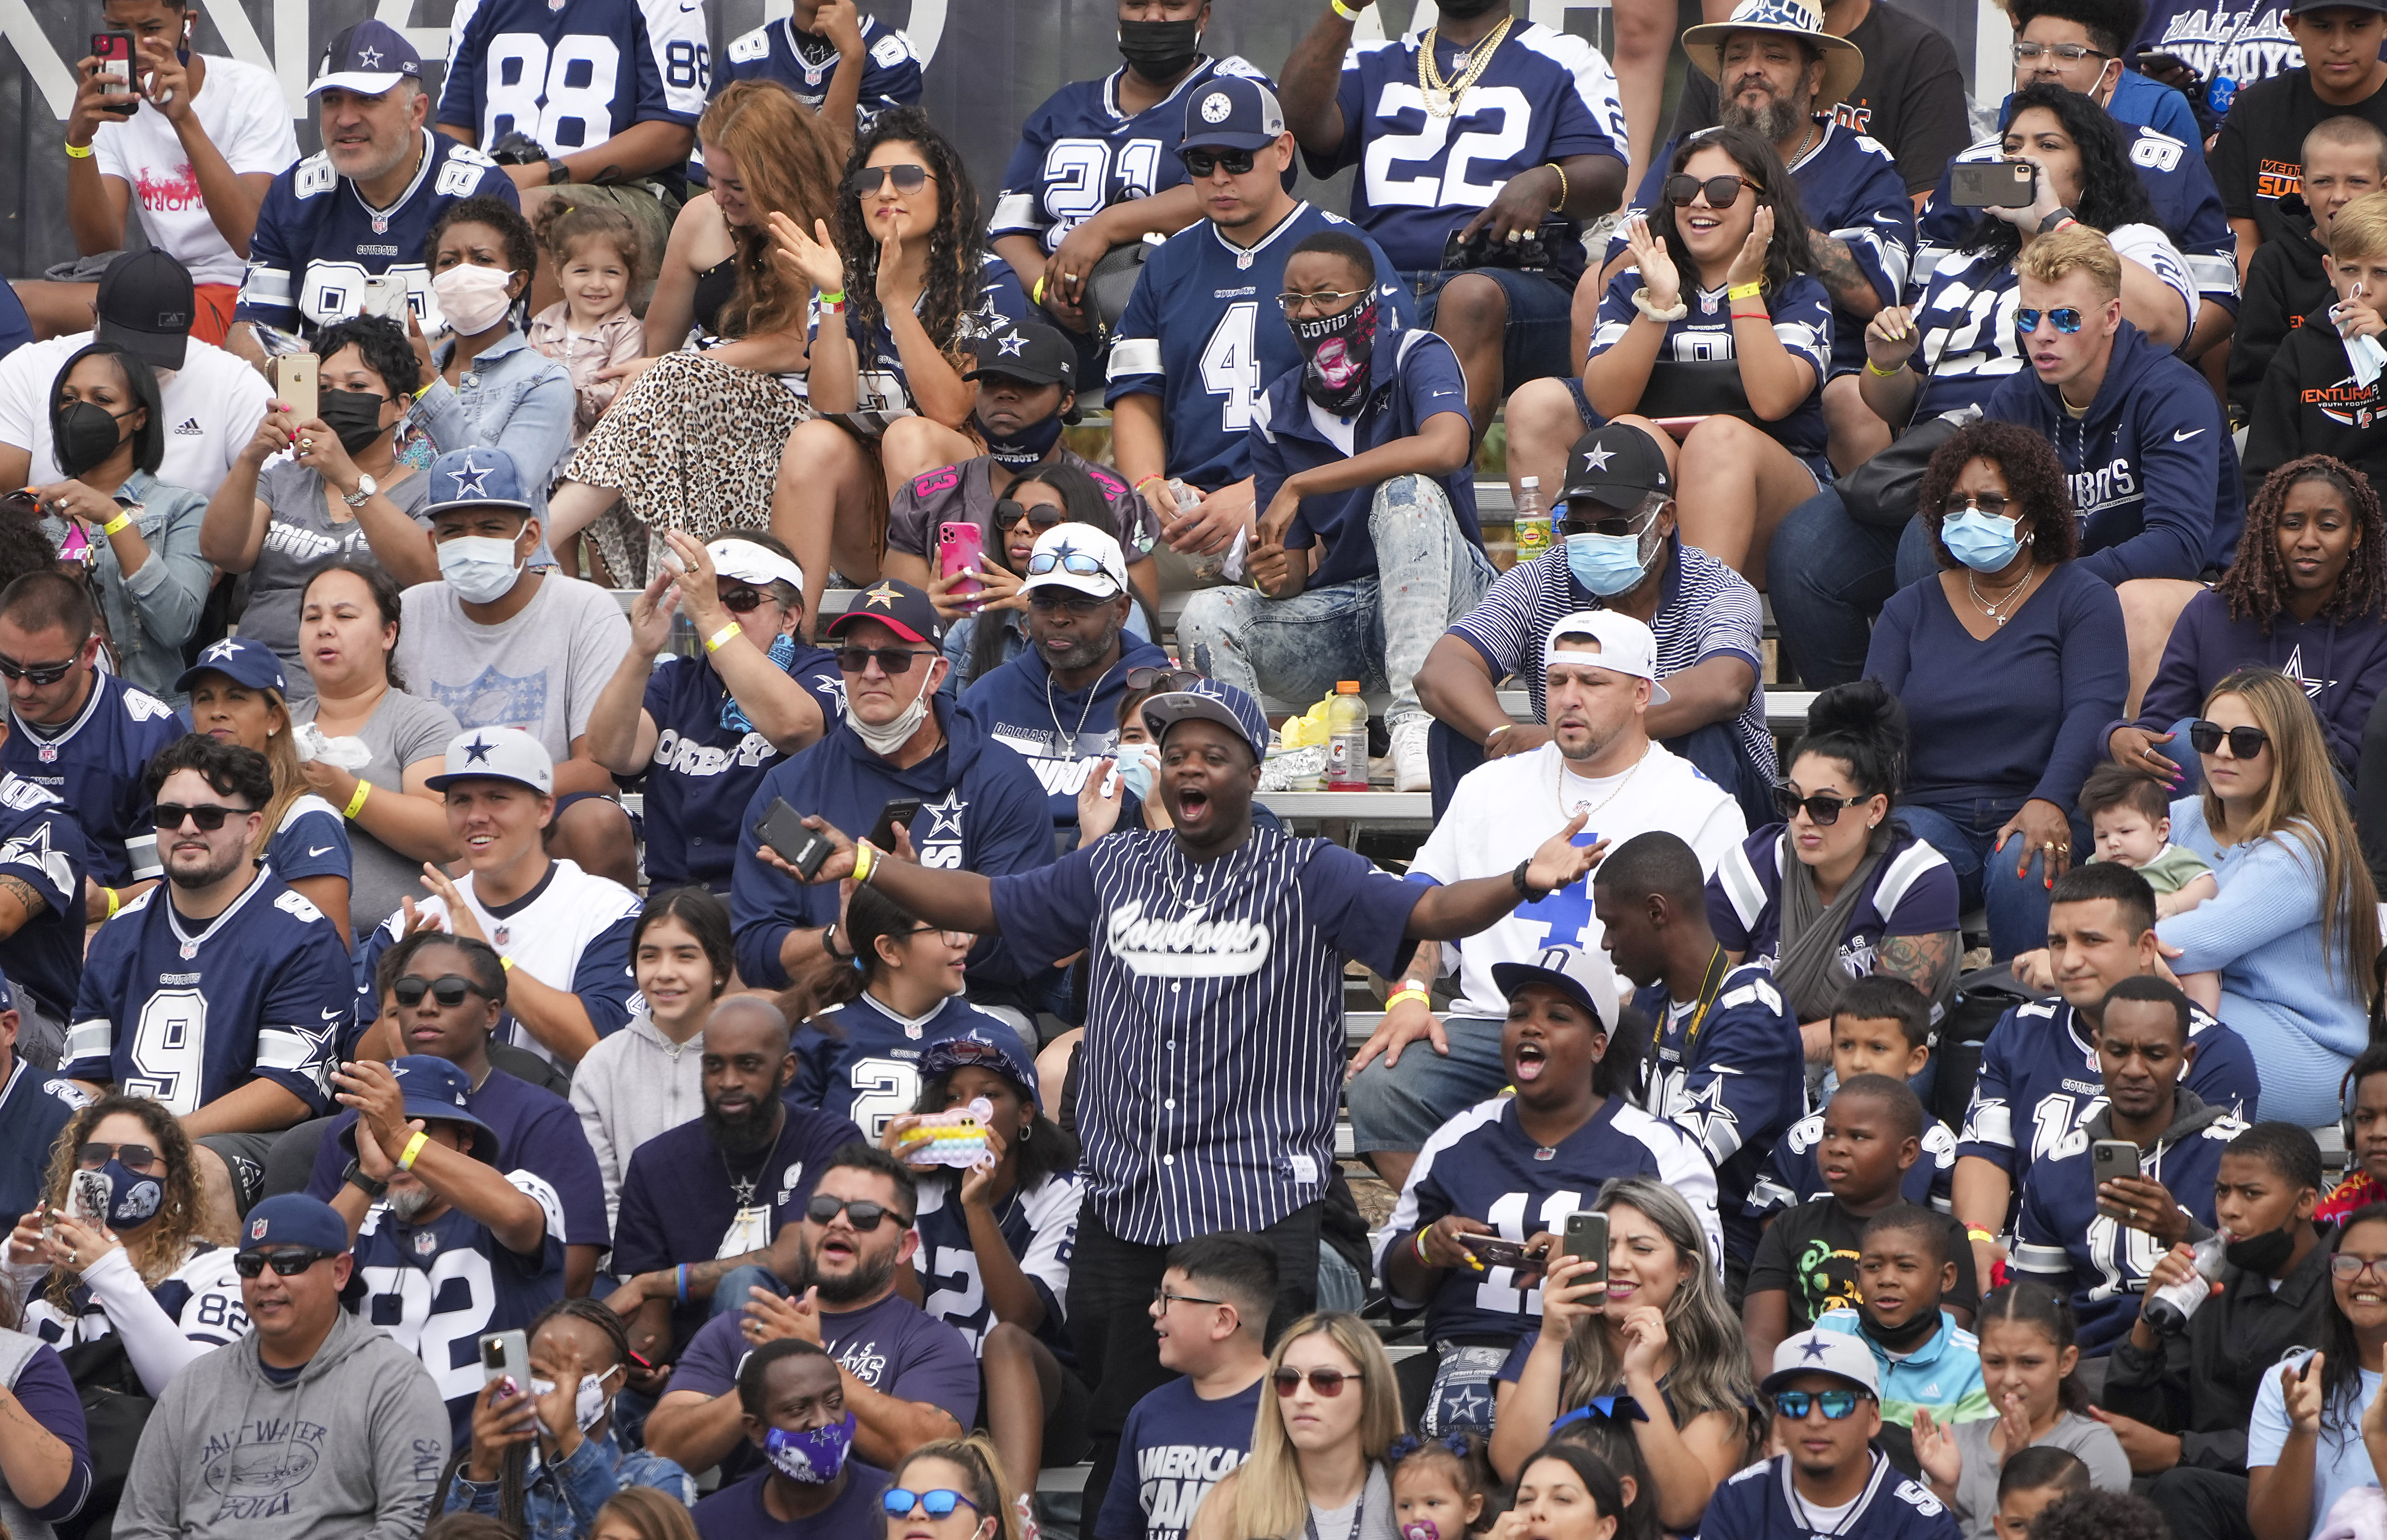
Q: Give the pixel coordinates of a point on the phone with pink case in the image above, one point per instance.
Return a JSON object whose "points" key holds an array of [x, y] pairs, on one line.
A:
{"points": [[962, 548]]}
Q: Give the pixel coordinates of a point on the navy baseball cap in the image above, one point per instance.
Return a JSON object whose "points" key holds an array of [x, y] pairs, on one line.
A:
{"points": [[1025, 350], [8, 995], [1583, 976], [1211, 701], [1233, 112], [483, 476], [436, 1092], [293, 1220], [367, 58], [144, 304], [900, 607], [242, 660], [999, 1050]]}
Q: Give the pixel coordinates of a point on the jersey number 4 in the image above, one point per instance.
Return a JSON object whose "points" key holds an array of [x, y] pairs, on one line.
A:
{"points": [[1231, 365], [563, 99]]}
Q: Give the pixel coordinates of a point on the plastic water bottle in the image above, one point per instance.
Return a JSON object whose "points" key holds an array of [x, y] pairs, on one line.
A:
{"points": [[2167, 1308], [1346, 744], [1534, 532]]}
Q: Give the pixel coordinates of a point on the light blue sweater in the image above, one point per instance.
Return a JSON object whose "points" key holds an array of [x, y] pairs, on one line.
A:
{"points": [[2297, 1007]]}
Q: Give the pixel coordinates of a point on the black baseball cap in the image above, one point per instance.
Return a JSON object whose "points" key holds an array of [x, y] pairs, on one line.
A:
{"points": [[1025, 350], [900, 607], [145, 303], [1616, 465]]}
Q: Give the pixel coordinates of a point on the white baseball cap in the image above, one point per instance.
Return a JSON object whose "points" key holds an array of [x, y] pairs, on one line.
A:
{"points": [[1815, 1352], [497, 753], [748, 562], [1583, 973], [1078, 557], [1626, 647]]}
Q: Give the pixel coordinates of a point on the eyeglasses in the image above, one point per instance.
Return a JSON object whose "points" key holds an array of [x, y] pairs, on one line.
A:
{"points": [[2245, 742], [1050, 599], [1201, 163], [1007, 513], [1327, 1382], [1602, 523], [286, 1263], [2070, 53], [890, 660], [953, 938], [861, 1213], [936, 1502], [449, 989], [2067, 320], [907, 179], [1295, 304], [141, 1158], [743, 601], [1822, 809], [1162, 1299], [172, 815], [1793, 1404], [41, 674], [2345, 1270], [1721, 191], [1995, 504]]}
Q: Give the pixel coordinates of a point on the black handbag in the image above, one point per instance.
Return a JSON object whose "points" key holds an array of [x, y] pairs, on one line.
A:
{"points": [[1881, 491], [116, 1407], [1112, 284]]}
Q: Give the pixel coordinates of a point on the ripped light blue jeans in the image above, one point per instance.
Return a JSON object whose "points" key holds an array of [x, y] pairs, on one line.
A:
{"points": [[1376, 630]]}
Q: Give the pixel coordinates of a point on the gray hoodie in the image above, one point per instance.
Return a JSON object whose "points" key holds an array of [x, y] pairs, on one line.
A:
{"points": [[350, 1449]]}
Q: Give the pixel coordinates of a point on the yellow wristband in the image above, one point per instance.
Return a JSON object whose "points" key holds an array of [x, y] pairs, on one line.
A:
{"points": [[1409, 993], [837, 299], [413, 1148], [83, 152], [1976, 1232], [356, 802], [720, 638], [1345, 12], [505, 965], [1745, 291], [115, 901], [1879, 372], [1419, 1246], [1037, 293], [116, 523], [864, 861]]}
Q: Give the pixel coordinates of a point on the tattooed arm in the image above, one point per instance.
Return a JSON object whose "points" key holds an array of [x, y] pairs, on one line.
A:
{"points": [[1852, 290], [1927, 961], [20, 904]]}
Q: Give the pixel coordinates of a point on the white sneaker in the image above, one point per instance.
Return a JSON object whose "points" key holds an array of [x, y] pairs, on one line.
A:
{"points": [[1410, 772]]}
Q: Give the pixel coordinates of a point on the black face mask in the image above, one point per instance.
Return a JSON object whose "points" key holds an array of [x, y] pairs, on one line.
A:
{"points": [[1160, 50], [1335, 352], [1468, 10], [2265, 1254], [1897, 1339], [1028, 446], [355, 415], [83, 436]]}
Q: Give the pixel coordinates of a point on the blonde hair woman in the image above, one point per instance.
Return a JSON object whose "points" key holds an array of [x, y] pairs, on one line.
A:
{"points": [[950, 1489], [2284, 952], [1328, 1412]]}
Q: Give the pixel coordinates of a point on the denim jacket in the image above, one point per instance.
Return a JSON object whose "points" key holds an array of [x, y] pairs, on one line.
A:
{"points": [[513, 398], [152, 610], [559, 1501]]}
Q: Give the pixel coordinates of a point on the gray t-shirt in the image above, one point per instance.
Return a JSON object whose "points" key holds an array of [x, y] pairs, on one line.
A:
{"points": [[1977, 1488], [542, 671], [301, 539], [1366, 1517], [403, 731]]}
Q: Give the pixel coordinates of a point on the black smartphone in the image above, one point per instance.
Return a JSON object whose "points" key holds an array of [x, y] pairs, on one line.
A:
{"points": [[1494, 1252], [2111, 1159], [2149, 60], [1586, 1235], [897, 810], [783, 830], [1991, 185]]}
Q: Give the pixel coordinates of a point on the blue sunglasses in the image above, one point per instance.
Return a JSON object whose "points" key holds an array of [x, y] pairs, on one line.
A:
{"points": [[938, 1503], [1793, 1404], [2067, 320]]}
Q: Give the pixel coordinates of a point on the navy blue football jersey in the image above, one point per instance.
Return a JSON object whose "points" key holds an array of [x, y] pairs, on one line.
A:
{"points": [[1792, 1178], [104, 756], [1203, 332], [1482, 1165], [803, 63], [2039, 1082], [34, 1106], [1038, 1225], [184, 1013], [2061, 1237], [1733, 1077], [1760, 1504], [570, 75], [436, 1287], [707, 765], [317, 240], [1802, 320], [862, 1061], [42, 847], [884, 388], [1545, 95], [1082, 152]]}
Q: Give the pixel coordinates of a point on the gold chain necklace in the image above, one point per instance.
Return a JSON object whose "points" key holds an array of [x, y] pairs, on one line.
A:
{"points": [[1442, 97], [1558, 787]]}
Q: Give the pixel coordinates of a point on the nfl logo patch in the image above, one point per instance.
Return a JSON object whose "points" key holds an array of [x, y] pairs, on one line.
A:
{"points": [[49, 756], [505, 934], [425, 1242], [256, 1230]]}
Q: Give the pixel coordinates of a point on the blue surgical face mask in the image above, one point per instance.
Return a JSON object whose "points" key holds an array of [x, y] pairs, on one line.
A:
{"points": [[1606, 564], [814, 1458], [481, 568], [1136, 763], [1982, 543]]}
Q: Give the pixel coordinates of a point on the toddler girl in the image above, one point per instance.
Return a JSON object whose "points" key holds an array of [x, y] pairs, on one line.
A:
{"points": [[1440, 1485]]}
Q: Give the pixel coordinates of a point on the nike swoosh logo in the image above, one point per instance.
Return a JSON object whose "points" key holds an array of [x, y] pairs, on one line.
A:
{"points": [[334, 1015], [2184, 437], [317, 849]]}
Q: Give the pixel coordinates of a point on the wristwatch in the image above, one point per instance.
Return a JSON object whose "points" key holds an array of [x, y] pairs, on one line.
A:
{"points": [[558, 173], [355, 1177], [2057, 221], [366, 487]]}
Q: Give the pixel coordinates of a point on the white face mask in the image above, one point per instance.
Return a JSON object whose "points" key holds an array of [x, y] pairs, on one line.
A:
{"points": [[589, 1404], [481, 568], [885, 741], [473, 298]]}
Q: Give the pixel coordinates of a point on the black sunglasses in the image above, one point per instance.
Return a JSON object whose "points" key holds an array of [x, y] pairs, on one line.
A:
{"points": [[1823, 809], [172, 815], [861, 1213], [891, 660], [41, 674], [2245, 742], [1049, 599], [743, 601], [141, 1158], [449, 989], [1721, 191], [1201, 163], [1603, 523], [286, 1263], [1007, 513], [908, 178]]}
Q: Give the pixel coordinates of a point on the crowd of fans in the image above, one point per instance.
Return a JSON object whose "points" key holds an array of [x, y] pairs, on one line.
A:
{"points": [[635, 906]]}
